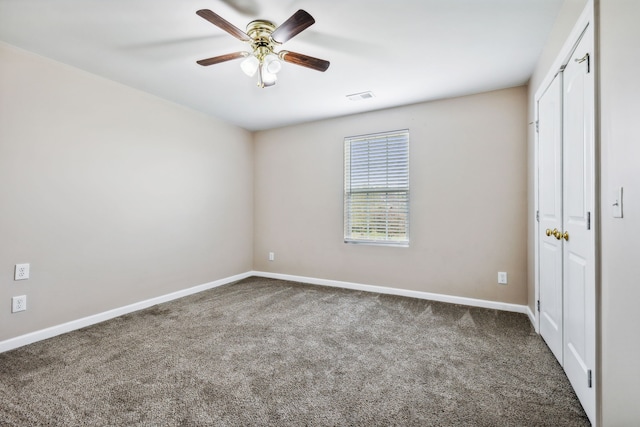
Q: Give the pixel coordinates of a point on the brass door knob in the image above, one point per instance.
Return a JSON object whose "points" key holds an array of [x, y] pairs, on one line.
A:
{"points": [[557, 234]]}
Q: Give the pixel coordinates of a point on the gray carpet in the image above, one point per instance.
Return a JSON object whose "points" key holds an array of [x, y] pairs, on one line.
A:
{"points": [[268, 352]]}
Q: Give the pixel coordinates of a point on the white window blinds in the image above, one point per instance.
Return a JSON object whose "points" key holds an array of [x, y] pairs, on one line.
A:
{"points": [[376, 188]]}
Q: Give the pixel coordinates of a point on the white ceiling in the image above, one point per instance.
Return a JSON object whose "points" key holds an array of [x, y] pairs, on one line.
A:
{"points": [[404, 51]]}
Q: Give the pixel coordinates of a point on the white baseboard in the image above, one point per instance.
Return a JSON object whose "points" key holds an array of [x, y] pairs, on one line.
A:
{"points": [[73, 325], [395, 291]]}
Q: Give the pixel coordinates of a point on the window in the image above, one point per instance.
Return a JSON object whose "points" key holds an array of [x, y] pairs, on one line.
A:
{"points": [[376, 188]]}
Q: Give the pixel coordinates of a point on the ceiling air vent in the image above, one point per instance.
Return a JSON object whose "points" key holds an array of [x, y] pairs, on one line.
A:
{"points": [[360, 96]]}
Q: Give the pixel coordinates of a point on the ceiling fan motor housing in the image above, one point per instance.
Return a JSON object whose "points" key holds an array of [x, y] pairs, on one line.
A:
{"points": [[260, 33]]}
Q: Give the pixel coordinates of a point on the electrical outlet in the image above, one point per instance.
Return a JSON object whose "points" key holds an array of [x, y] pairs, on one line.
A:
{"points": [[18, 303], [21, 272], [272, 256], [502, 277]]}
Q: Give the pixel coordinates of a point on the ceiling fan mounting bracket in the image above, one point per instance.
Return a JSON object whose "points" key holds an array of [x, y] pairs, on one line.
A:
{"points": [[260, 33]]}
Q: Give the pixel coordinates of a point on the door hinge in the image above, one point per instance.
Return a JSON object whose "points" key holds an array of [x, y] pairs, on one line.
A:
{"points": [[537, 126], [589, 379], [538, 306], [538, 216], [586, 58], [588, 220]]}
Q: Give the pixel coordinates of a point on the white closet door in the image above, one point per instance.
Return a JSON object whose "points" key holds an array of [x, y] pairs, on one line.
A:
{"points": [[550, 211], [578, 209]]}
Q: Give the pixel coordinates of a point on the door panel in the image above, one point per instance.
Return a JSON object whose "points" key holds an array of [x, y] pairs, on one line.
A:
{"points": [[575, 293], [550, 211], [551, 297], [574, 203]]}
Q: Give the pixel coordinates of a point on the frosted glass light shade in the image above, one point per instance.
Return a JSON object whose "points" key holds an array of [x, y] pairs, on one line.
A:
{"points": [[272, 64], [250, 65], [268, 78]]}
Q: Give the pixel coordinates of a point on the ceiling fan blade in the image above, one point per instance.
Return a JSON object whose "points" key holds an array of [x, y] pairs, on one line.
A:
{"points": [[293, 26], [223, 58], [222, 23], [304, 60]]}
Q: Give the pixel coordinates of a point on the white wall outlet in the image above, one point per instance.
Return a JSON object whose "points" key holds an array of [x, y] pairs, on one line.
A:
{"points": [[502, 277], [272, 256], [21, 272], [18, 303]]}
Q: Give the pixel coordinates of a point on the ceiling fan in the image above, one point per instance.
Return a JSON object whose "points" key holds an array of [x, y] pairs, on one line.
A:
{"points": [[264, 37]]}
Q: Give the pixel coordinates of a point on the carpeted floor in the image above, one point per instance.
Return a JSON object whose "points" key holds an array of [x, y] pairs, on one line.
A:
{"points": [[269, 352]]}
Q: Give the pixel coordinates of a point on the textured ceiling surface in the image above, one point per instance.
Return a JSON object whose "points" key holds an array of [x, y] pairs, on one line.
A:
{"points": [[403, 51]]}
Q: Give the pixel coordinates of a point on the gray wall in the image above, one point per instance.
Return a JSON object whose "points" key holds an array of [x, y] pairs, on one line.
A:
{"points": [[620, 167], [468, 199], [112, 195]]}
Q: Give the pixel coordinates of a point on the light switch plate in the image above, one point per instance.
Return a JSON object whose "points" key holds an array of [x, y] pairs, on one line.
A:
{"points": [[617, 203]]}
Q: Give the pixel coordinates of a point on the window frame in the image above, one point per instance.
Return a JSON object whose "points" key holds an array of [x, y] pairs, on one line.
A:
{"points": [[397, 145]]}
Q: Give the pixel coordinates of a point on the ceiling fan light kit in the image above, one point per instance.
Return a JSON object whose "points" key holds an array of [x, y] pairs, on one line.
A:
{"points": [[263, 37]]}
